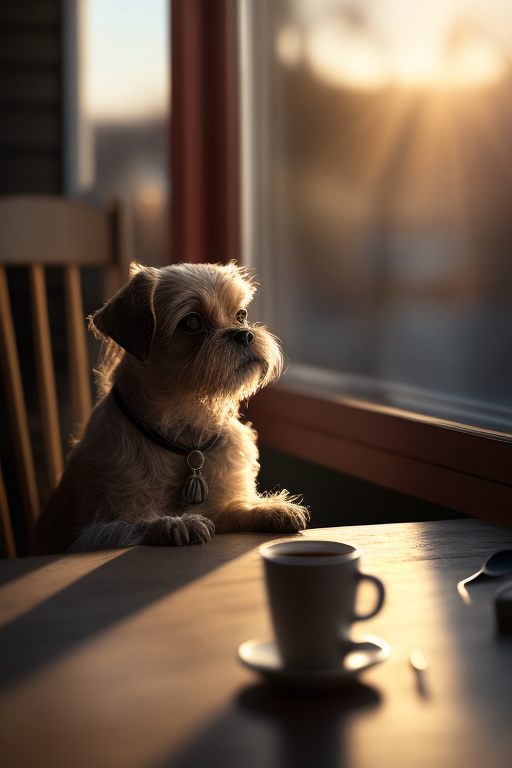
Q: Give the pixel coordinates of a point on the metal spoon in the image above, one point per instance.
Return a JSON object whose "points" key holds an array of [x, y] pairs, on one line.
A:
{"points": [[499, 564]]}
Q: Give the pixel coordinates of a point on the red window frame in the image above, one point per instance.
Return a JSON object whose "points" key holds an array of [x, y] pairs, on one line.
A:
{"points": [[467, 471], [204, 131]]}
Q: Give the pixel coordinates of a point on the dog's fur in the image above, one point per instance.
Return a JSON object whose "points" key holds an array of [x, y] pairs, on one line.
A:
{"points": [[119, 488]]}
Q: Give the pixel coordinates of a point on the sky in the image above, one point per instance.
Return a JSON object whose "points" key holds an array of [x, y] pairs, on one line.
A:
{"points": [[126, 65]]}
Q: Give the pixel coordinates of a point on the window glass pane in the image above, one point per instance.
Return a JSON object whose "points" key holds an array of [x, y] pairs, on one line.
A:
{"points": [[381, 194], [122, 109]]}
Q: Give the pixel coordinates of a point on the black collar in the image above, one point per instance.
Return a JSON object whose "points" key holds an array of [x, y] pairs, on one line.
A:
{"points": [[151, 433]]}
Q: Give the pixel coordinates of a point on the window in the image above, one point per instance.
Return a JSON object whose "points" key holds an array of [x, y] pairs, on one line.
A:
{"points": [[378, 185], [376, 180], [118, 103]]}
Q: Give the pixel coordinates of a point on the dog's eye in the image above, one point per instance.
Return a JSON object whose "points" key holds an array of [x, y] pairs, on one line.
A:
{"points": [[192, 323], [241, 315]]}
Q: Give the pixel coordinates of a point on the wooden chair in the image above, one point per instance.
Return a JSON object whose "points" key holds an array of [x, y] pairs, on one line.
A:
{"points": [[38, 232]]}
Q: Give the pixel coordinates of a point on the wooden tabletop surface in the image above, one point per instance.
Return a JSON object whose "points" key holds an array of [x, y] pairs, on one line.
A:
{"points": [[128, 659]]}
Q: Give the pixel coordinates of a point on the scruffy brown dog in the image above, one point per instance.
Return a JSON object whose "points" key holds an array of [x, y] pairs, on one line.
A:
{"points": [[164, 459]]}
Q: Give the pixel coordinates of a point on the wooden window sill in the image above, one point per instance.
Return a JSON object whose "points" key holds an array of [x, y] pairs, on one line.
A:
{"points": [[467, 470]]}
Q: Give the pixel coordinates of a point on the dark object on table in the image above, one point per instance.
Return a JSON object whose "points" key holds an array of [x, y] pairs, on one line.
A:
{"points": [[503, 604]]}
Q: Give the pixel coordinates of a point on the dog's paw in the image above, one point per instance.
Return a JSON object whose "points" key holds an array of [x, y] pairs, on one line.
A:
{"points": [[265, 513], [200, 529], [279, 513], [177, 530], [285, 518]]}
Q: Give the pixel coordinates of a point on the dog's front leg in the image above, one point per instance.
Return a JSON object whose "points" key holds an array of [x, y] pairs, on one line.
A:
{"points": [[264, 513], [160, 530]]}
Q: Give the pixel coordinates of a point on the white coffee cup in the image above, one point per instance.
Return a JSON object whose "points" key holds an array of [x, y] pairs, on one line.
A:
{"points": [[312, 587]]}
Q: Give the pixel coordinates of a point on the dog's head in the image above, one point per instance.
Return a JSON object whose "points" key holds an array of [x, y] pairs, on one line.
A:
{"points": [[188, 324]]}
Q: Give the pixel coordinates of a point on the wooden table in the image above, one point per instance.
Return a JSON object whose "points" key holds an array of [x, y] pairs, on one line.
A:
{"points": [[128, 659]]}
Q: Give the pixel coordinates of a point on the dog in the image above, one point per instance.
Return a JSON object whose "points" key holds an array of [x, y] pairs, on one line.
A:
{"points": [[164, 458]]}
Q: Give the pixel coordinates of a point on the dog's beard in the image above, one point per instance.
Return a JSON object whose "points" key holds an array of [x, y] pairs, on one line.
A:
{"points": [[220, 369], [231, 370]]}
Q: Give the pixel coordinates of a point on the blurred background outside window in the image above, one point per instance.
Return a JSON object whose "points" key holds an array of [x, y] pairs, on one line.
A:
{"points": [[118, 102], [377, 178]]}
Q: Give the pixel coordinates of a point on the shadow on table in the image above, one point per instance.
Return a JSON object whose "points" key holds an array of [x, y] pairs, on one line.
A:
{"points": [[108, 594], [22, 566], [279, 728]]}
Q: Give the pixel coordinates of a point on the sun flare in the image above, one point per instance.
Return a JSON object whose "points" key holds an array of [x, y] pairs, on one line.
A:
{"points": [[358, 53]]}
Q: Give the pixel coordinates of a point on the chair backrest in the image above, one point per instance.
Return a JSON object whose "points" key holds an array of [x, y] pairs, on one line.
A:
{"points": [[38, 232]]}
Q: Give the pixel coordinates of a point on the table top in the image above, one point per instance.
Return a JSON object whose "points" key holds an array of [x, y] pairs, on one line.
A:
{"points": [[128, 659]]}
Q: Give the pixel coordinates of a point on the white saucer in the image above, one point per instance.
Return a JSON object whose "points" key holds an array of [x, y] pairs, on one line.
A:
{"points": [[264, 657]]}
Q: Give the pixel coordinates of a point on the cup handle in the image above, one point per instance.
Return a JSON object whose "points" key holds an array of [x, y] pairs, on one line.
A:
{"points": [[380, 597]]}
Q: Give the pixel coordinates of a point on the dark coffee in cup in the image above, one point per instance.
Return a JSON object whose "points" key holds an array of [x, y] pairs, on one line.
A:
{"points": [[310, 554]]}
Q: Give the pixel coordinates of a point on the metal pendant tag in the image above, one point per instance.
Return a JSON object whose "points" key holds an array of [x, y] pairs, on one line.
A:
{"points": [[195, 490]]}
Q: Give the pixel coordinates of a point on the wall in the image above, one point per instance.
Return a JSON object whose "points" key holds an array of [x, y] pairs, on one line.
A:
{"points": [[31, 160], [30, 96]]}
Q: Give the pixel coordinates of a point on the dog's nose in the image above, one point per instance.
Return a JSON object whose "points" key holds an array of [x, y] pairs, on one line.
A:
{"points": [[243, 337]]}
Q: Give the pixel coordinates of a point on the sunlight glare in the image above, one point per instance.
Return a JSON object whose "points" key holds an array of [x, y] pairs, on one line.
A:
{"points": [[416, 66], [344, 57], [475, 63], [362, 57]]}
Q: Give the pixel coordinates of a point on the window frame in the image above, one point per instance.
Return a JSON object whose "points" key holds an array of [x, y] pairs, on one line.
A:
{"points": [[465, 470], [204, 131]]}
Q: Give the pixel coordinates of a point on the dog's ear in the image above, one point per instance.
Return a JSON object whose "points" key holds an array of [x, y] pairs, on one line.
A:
{"points": [[129, 317]]}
